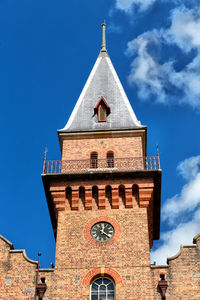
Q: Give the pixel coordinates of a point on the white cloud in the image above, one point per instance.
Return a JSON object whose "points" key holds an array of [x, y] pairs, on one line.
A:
{"points": [[184, 27], [162, 81], [146, 72], [181, 235], [178, 207], [129, 5], [190, 167], [188, 200]]}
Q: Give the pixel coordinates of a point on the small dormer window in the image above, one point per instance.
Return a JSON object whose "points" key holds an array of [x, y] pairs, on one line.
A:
{"points": [[102, 113], [102, 109]]}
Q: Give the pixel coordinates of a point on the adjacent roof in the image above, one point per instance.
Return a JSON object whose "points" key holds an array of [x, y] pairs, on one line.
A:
{"points": [[102, 82]]}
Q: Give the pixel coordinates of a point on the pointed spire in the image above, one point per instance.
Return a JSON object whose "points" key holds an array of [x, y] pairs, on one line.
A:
{"points": [[103, 46], [103, 82]]}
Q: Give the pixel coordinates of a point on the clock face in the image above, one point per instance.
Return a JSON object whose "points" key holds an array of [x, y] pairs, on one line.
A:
{"points": [[102, 231]]}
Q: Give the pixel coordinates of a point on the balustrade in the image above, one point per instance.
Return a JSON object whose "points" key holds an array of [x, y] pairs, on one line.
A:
{"points": [[101, 165]]}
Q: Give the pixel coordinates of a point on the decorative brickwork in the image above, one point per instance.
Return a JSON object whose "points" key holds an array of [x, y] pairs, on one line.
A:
{"points": [[88, 198], [101, 197], [128, 196], [75, 198], [115, 196], [58, 197], [102, 271]]}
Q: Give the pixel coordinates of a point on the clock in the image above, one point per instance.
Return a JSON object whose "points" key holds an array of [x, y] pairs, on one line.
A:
{"points": [[102, 231]]}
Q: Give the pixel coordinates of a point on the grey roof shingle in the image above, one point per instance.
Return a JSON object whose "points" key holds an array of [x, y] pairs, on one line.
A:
{"points": [[102, 82]]}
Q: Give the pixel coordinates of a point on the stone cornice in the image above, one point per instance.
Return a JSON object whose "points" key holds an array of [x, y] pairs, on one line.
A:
{"points": [[46, 270], [159, 266]]}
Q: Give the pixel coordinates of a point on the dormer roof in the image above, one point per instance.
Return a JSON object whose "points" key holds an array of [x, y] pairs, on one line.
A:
{"points": [[102, 100]]}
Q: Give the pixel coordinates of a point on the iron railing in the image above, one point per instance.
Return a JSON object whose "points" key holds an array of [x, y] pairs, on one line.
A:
{"points": [[101, 165]]}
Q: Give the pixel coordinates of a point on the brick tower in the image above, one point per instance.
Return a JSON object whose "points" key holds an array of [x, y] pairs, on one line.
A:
{"points": [[103, 196]]}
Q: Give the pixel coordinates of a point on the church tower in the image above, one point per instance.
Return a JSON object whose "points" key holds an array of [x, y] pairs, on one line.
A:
{"points": [[103, 196]]}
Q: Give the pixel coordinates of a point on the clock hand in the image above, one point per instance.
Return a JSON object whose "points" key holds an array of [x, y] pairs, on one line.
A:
{"points": [[103, 232]]}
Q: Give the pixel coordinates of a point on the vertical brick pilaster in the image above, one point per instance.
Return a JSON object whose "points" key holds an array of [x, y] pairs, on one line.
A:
{"points": [[101, 200], [75, 198], [115, 196], [88, 198], [128, 196]]}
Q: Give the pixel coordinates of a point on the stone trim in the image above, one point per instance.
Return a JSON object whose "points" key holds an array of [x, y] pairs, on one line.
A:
{"points": [[196, 238], [82, 95], [103, 134], [159, 267], [46, 270]]}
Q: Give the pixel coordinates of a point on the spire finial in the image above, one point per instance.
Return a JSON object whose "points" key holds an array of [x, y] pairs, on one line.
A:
{"points": [[103, 46]]}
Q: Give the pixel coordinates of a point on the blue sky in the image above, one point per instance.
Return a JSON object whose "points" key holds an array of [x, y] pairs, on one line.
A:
{"points": [[47, 50]]}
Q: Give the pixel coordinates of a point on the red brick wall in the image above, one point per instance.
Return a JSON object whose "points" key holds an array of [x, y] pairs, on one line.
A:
{"points": [[128, 264], [127, 255], [121, 146], [182, 274], [17, 274]]}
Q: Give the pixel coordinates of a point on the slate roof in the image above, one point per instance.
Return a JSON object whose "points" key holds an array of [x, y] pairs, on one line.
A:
{"points": [[102, 82]]}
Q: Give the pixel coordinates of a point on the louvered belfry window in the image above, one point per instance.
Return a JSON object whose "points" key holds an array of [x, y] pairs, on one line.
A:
{"points": [[94, 160], [110, 159]]}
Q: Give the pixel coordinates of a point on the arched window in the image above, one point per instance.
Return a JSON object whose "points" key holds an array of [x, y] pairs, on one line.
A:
{"points": [[102, 288], [110, 159], [94, 160]]}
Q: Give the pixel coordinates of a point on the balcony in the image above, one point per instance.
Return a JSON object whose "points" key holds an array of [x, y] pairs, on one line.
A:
{"points": [[101, 165]]}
